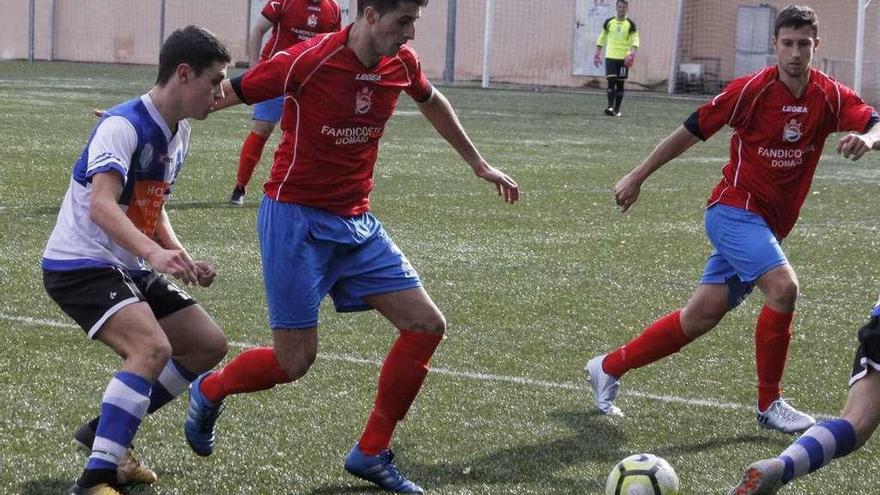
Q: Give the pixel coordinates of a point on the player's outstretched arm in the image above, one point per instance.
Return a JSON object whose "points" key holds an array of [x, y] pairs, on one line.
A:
{"points": [[104, 210], [167, 238], [627, 189], [441, 115], [853, 146]]}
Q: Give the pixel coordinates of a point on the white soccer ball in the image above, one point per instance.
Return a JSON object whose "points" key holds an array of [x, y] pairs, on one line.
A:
{"points": [[642, 474]]}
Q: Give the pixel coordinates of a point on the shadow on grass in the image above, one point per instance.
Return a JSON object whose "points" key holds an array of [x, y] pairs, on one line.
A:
{"points": [[330, 490], [46, 486], [690, 448], [595, 438], [54, 486]]}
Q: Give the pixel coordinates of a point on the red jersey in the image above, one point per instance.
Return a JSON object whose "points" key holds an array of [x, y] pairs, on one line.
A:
{"points": [[298, 20], [777, 140], [335, 111]]}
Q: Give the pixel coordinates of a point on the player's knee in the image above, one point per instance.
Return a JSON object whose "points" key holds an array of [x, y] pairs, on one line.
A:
{"points": [[214, 349], [783, 294], [262, 128], [153, 356], [697, 320], [211, 347], [434, 323], [297, 365]]}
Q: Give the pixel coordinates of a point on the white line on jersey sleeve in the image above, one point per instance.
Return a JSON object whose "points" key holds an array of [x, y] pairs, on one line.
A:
{"points": [[114, 142]]}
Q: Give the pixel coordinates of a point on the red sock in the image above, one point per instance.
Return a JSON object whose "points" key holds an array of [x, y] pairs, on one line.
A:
{"points": [[400, 380], [251, 151], [252, 370], [662, 338], [772, 337]]}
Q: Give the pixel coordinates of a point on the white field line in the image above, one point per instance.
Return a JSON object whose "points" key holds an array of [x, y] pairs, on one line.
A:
{"points": [[468, 375]]}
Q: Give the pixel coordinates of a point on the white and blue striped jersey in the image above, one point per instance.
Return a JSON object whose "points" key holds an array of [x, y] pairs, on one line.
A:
{"points": [[133, 140]]}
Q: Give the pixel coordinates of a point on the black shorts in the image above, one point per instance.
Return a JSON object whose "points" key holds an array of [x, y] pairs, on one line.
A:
{"points": [[92, 295], [615, 69], [868, 353]]}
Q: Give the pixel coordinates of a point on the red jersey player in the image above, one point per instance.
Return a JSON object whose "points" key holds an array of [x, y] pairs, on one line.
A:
{"points": [[317, 235], [781, 117], [291, 22]]}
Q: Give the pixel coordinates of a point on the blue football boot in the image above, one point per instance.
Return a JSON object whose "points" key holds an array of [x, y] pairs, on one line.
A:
{"points": [[201, 416], [379, 469]]}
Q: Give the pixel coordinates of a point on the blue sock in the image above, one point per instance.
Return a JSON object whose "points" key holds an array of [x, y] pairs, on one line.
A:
{"points": [[172, 382], [123, 407], [820, 444]]}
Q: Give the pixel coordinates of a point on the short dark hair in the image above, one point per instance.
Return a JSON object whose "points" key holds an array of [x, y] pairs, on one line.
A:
{"points": [[191, 45], [625, 2], [795, 17], [384, 6]]}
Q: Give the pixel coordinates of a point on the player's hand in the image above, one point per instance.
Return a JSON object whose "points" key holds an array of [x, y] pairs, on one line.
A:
{"points": [[626, 191], [853, 146], [174, 262], [205, 273], [597, 59], [507, 188], [98, 112], [629, 60]]}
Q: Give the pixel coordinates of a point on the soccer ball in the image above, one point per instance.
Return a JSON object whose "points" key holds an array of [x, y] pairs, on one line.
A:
{"points": [[642, 474]]}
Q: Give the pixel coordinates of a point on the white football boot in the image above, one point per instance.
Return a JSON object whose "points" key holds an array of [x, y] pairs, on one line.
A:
{"points": [[605, 386], [782, 417]]}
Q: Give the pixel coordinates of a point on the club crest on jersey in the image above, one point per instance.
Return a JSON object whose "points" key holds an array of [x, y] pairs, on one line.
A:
{"points": [[791, 133], [146, 157], [312, 21], [363, 101]]}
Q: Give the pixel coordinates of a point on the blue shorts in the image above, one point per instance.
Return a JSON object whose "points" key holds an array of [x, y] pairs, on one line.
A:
{"points": [[269, 110], [745, 249], [308, 253]]}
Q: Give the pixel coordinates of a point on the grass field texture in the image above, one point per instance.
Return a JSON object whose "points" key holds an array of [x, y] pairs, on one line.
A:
{"points": [[530, 291]]}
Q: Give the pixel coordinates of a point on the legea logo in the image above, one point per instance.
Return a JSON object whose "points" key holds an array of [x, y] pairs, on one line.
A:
{"points": [[794, 109]]}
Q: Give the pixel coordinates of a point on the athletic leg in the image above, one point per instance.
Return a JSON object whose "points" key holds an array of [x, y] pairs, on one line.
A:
{"points": [[618, 95], [266, 114], [252, 151], [773, 331], [135, 335], [421, 327]]}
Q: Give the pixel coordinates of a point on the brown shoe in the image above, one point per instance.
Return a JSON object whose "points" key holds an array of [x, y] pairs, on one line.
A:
{"points": [[133, 469]]}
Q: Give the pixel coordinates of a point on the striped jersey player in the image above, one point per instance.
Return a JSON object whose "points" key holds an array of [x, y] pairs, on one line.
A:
{"points": [[113, 241]]}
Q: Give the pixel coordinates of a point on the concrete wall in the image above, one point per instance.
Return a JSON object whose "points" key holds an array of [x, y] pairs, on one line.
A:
{"points": [[118, 31], [710, 30], [532, 40]]}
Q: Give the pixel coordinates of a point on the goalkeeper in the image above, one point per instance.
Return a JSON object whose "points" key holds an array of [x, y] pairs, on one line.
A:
{"points": [[620, 39]]}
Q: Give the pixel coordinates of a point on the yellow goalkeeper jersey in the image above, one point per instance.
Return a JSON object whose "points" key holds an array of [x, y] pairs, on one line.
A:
{"points": [[618, 37]]}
